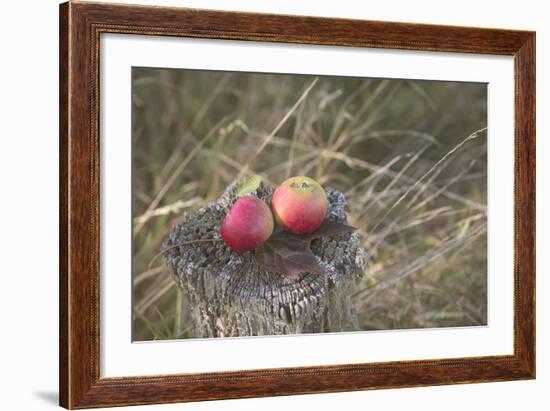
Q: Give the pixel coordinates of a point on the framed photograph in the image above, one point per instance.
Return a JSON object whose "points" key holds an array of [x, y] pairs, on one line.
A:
{"points": [[258, 205]]}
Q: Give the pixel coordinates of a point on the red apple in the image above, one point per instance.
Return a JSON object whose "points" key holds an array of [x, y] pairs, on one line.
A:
{"points": [[247, 225], [300, 205]]}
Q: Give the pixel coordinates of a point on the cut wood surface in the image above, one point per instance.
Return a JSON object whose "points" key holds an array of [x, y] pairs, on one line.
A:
{"points": [[228, 294]]}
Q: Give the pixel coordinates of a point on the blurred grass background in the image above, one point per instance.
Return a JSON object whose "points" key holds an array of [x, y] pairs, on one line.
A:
{"points": [[411, 157]]}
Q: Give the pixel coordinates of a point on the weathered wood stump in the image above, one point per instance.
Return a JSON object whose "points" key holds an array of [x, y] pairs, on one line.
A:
{"points": [[228, 294]]}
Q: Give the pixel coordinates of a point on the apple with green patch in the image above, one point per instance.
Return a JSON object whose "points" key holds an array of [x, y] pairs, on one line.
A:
{"points": [[248, 224], [300, 205]]}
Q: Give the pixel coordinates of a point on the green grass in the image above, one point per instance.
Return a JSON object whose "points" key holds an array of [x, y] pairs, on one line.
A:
{"points": [[406, 153]]}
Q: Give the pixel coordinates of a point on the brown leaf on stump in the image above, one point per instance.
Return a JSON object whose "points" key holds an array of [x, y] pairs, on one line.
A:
{"points": [[290, 254]]}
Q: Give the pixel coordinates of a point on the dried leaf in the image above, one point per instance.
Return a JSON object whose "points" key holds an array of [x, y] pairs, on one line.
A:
{"points": [[329, 228], [290, 254]]}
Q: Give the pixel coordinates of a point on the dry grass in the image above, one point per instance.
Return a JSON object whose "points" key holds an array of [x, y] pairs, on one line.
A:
{"points": [[411, 157]]}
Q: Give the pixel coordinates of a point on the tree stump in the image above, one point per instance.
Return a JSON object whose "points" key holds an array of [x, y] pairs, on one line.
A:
{"points": [[228, 294]]}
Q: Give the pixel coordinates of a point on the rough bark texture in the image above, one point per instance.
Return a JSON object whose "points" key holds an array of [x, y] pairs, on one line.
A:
{"points": [[229, 295]]}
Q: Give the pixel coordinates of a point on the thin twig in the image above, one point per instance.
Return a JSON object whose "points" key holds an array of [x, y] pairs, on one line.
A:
{"points": [[201, 240]]}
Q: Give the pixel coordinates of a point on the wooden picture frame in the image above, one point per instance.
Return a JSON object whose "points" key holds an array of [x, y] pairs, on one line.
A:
{"points": [[80, 27]]}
